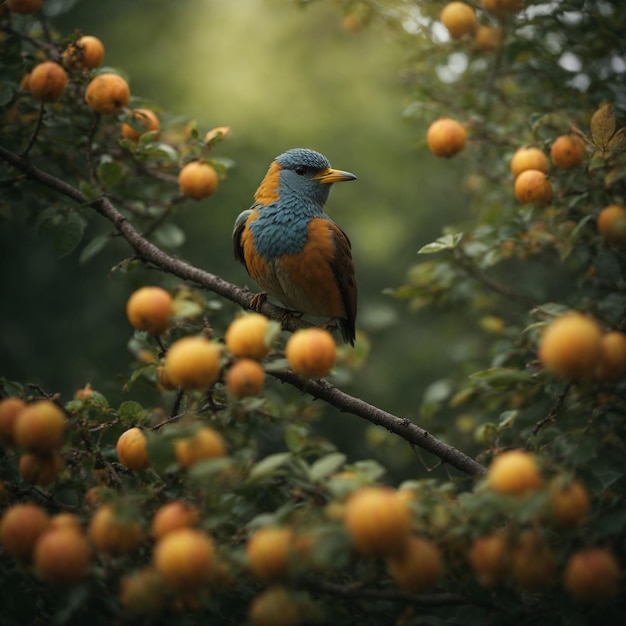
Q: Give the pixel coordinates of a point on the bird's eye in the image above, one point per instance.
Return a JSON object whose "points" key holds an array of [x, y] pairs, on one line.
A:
{"points": [[300, 170]]}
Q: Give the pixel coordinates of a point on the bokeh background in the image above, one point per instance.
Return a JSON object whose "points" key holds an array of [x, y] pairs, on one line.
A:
{"points": [[282, 74]]}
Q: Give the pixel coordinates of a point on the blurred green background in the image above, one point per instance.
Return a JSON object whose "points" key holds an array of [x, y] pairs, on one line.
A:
{"points": [[282, 75]]}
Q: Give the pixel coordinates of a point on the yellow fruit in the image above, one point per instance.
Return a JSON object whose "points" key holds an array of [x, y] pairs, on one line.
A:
{"points": [[488, 37], [612, 224], [41, 469], [143, 592], [246, 336], [567, 152], [147, 120], [86, 53], [459, 18], [24, 7], [377, 520], [612, 364], [417, 566], [10, 408], [173, 516], [193, 362], [150, 309], [275, 607], [204, 445], [132, 449], [113, 533], [532, 562], [62, 556], [490, 559], [528, 159], [40, 427], [571, 346], [20, 528], [107, 94], [533, 187], [47, 81], [514, 472], [592, 574], [184, 558], [268, 553], [569, 502], [446, 137], [311, 352], [198, 180], [245, 377]]}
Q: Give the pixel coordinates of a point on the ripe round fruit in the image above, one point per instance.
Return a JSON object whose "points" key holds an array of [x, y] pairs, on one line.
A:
{"points": [[532, 562], [150, 309], [377, 520], [184, 558], [47, 81], [112, 533], [66, 521], [147, 120], [20, 528], [533, 187], [489, 558], [10, 408], [459, 18], [488, 37], [502, 7], [275, 607], [193, 362], [204, 445], [311, 352], [569, 502], [612, 224], [24, 7], [592, 574], [173, 516], [528, 159], [613, 359], [62, 556], [245, 378], [446, 137], [86, 53], [132, 449], [567, 152], [107, 94], [198, 180], [268, 553], [40, 427], [571, 346], [417, 566], [514, 472], [247, 336], [41, 469], [142, 592]]}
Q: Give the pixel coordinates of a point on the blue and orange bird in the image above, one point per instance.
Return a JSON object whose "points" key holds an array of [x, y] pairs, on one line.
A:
{"points": [[291, 248]]}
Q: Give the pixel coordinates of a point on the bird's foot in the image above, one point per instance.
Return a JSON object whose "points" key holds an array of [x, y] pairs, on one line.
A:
{"points": [[331, 324], [257, 300]]}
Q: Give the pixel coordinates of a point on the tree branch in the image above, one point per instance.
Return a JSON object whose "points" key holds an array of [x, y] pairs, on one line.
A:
{"points": [[321, 389]]}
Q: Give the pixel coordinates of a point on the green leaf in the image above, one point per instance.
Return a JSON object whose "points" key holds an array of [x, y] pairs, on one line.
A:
{"points": [[68, 234], [88, 190], [269, 464], [160, 451], [296, 437], [130, 412], [92, 248], [169, 236], [447, 242], [110, 173], [326, 465], [205, 469], [602, 125]]}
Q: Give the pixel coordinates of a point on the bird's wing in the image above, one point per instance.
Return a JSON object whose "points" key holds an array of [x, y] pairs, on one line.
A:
{"points": [[240, 224]]}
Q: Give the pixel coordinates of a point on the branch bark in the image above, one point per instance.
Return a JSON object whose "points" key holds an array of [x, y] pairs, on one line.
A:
{"points": [[321, 389]]}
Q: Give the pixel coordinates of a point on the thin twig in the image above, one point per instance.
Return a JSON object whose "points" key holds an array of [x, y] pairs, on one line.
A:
{"points": [[33, 137], [554, 411]]}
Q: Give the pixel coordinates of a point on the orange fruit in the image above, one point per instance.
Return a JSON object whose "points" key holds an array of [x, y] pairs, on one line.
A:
{"points": [[198, 180], [532, 562], [275, 606], [24, 7], [569, 502], [193, 362], [113, 533], [173, 516], [446, 137], [488, 37], [417, 566], [611, 224], [502, 7], [533, 187], [41, 469], [528, 159], [205, 444], [147, 120], [247, 336], [514, 472], [20, 528], [244, 378], [142, 592], [216, 134], [10, 408], [66, 521], [61, 556], [150, 309], [567, 152], [107, 94], [459, 18], [311, 352], [40, 427], [132, 449], [592, 574], [490, 559], [268, 553], [47, 81], [612, 364], [86, 53]]}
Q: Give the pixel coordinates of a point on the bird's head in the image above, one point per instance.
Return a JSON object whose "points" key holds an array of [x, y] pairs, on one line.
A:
{"points": [[304, 176]]}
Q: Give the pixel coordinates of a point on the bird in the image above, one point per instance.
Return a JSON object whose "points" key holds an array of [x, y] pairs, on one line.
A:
{"points": [[292, 249]]}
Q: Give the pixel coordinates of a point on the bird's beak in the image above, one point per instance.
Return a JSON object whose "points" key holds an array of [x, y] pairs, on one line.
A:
{"points": [[329, 175]]}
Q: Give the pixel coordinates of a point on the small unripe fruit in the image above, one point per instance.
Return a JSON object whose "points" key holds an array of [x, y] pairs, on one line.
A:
{"points": [[24, 7], [47, 81], [204, 445], [86, 53], [10, 408], [571, 346], [41, 469], [417, 566], [532, 562], [567, 152], [132, 449], [247, 336], [377, 520], [459, 18], [528, 159], [107, 94], [173, 516], [193, 362], [150, 309], [490, 558], [592, 574], [533, 187], [569, 502], [268, 553], [311, 352], [245, 378], [275, 607], [62, 556], [514, 472], [198, 180], [40, 427], [184, 558], [446, 137], [147, 120], [612, 224], [612, 364], [20, 528], [112, 533]]}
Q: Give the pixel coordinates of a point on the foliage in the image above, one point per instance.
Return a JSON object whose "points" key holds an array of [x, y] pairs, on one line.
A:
{"points": [[513, 268]]}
